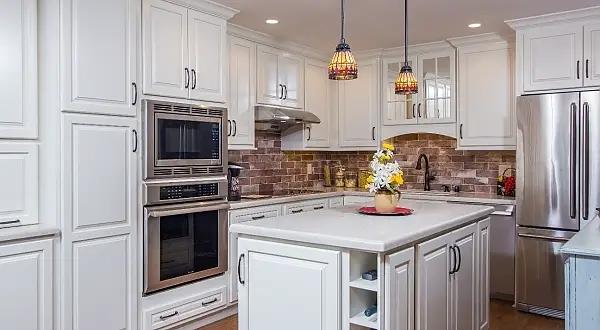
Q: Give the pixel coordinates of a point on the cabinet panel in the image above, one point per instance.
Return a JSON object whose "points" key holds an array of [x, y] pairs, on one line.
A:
{"points": [[273, 267], [26, 285], [291, 76], [317, 101], [268, 89], [437, 87], [19, 184], [483, 274], [551, 56], [99, 57], [487, 116], [242, 87], [397, 109], [358, 106], [166, 54], [18, 73], [399, 295], [464, 280], [207, 56], [591, 46]]}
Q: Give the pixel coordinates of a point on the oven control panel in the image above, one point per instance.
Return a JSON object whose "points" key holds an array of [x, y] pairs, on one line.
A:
{"points": [[189, 191]]}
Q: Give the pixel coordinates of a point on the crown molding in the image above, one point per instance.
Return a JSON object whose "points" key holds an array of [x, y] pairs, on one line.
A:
{"points": [[418, 49], [208, 7], [268, 40], [572, 16], [485, 38]]}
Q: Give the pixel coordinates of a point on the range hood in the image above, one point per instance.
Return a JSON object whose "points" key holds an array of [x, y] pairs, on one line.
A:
{"points": [[276, 118]]}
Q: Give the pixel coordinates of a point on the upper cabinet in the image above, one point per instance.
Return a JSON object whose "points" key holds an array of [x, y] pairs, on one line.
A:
{"points": [[18, 72], [398, 109], [317, 99], [280, 78], [242, 96], [591, 40], [185, 51], [437, 76]]}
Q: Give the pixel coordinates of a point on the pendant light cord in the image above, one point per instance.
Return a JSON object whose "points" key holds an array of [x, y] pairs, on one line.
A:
{"points": [[342, 40], [405, 32]]}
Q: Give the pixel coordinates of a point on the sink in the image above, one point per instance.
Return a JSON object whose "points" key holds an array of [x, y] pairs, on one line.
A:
{"points": [[425, 193]]}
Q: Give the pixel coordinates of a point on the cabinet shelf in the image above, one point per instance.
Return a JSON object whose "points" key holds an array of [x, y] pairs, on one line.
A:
{"points": [[363, 321], [361, 283]]}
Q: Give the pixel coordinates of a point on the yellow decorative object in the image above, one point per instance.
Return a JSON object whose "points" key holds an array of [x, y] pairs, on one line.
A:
{"points": [[386, 201], [388, 146]]}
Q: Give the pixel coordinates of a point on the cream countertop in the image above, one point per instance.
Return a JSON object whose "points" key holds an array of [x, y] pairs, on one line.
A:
{"points": [[345, 227], [586, 242], [27, 232]]}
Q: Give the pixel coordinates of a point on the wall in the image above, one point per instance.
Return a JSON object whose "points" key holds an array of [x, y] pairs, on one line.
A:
{"points": [[269, 168]]}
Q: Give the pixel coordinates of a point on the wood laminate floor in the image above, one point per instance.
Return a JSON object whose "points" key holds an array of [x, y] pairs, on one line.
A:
{"points": [[502, 317]]}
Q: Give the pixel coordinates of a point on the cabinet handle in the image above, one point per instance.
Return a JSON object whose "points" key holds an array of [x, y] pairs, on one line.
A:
{"points": [[297, 211], [373, 133], [587, 68], [162, 318], [206, 303], [453, 261], [461, 135], [318, 207], [419, 110], [414, 113], [285, 89], [308, 128], [135, 93], [242, 282], [438, 112], [578, 69], [135, 140], [230, 128], [234, 127], [281, 94], [187, 78], [10, 222], [258, 217], [459, 258], [193, 78]]}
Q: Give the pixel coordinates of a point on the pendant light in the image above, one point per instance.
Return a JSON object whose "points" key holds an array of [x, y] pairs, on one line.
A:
{"points": [[343, 64], [406, 83]]}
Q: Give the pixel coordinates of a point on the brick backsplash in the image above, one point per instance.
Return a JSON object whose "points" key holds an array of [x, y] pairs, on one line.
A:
{"points": [[269, 168]]}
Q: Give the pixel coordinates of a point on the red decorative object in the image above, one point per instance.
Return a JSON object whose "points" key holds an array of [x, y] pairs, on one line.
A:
{"points": [[370, 210]]}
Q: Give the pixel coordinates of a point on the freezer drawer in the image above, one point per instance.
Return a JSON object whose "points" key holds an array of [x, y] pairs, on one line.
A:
{"points": [[540, 274]]}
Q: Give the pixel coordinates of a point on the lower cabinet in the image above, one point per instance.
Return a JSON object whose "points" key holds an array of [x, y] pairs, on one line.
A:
{"points": [[483, 274], [288, 287], [26, 285], [400, 290], [306, 206]]}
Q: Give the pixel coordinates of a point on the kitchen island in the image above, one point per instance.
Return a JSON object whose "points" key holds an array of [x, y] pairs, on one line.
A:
{"points": [[303, 271]]}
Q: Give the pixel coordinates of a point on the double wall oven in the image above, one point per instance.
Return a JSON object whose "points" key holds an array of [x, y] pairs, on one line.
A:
{"points": [[184, 194]]}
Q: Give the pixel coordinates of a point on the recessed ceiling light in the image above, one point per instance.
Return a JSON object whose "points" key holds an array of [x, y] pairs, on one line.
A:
{"points": [[272, 21], [474, 25]]}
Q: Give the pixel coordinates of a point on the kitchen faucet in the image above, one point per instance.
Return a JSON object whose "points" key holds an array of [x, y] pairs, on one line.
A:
{"points": [[428, 176]]}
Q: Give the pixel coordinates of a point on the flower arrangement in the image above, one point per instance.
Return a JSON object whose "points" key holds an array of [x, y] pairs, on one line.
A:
{"points": [[386, 174]]}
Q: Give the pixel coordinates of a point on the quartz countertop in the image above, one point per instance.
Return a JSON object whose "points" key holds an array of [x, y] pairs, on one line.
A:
{"points": [[586, 242], [345, 227], [327, 192], [27, 232]]}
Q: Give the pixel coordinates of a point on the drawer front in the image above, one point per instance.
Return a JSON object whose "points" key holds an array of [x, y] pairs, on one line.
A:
{"points": [[184, 309], [336, 202], [18, 184], [349, 200], [254, 213], [314, 205]]}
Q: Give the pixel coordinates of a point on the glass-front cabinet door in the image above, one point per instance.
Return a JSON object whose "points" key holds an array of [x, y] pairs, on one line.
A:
{"points": [[398, 109], [437, 88]]}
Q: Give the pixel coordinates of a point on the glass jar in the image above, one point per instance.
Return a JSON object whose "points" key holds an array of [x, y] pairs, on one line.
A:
{"points": [[351, 179], [326, 176], [339, 177], [363, 174]]}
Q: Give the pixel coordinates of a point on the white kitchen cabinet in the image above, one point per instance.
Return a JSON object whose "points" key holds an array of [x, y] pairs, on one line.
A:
{"points": [[238, 216], [483, 274], [398, 109], [280, 78], [242, 97], [19, 184], [99, 56], [487, 116], [437, 87], [18, 72], [305, 206], [591, 48], [317, 99], [464, 282], [304, 280], [358, 107], [99, 221], [399, 290], [26, 283]]}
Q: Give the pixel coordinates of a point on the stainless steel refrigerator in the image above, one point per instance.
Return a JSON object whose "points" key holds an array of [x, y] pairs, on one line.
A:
{"points": [[558, 171]]}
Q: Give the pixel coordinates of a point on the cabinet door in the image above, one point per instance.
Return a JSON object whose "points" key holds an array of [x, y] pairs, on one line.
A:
{"points": [[437, 88], [284, 281], [268, 88], [483, 275], [317, 100], [591, 46], [100, 223], [19, 188], [291, 76], [464, 286], [399, 290], [26, 285], [207, 46], [358, 106], [487, 116], [397, 109], [99, 57], [166, 56], [433, 284], [242, 97], [18, 71], [552, 58]]}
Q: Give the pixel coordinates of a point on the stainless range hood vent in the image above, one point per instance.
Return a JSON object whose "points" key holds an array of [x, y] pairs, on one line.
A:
{"points": [[275, 118]]}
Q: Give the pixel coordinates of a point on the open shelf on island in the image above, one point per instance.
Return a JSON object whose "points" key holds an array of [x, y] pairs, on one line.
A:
{"points": [[368, 322], [361, 283]]}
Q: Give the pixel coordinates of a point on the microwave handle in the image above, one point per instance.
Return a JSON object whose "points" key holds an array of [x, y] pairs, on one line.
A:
{"points": [[158, 212]]}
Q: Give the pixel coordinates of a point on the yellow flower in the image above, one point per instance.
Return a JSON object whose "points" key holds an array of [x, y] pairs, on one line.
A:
{"points": [[397, 179], [388, 146], [370, 179], [366, 186]]}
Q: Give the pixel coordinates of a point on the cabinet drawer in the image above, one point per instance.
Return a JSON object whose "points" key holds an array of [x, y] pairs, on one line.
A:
{"points": [[182, 310], [349, 200], [19, 188], [254, 213], [336, 202], [306, 206]]}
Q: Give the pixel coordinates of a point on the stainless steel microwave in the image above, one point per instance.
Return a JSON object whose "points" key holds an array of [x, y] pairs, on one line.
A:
{"points": [[182, 140]]}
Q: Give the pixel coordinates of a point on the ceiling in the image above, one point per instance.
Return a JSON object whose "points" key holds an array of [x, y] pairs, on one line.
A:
{"points": [[372, 24]]}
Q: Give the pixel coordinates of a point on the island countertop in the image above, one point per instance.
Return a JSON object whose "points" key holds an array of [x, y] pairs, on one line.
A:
{"points": [[345, 227], [586, 242]]}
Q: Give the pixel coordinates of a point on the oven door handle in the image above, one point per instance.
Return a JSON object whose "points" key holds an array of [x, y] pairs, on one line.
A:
{"points": [[157, 212]]}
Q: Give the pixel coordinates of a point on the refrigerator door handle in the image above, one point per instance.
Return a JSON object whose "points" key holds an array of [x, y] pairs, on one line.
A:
{"points": [[586, 160], [572, 162]]}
